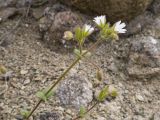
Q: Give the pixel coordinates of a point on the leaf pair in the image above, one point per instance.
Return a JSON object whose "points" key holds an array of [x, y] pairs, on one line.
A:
{"points": [[25, 113], [44, 94], [82, 112], [79, 54]]}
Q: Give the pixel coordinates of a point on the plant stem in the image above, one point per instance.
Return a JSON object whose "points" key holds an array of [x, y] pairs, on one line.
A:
{"points": [[53, 85], [62, 76], [93, 106]]}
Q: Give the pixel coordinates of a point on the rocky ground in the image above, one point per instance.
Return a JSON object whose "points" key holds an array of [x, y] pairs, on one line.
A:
{"points": [[131, 65]]}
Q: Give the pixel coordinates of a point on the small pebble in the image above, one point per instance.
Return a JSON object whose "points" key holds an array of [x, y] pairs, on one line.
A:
{"points": [[27, 81], [23, 72], [140, 98]]}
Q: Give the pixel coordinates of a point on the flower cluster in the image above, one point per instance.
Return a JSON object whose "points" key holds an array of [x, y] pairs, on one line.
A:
{"points": [[118, 27], [107, 31]]}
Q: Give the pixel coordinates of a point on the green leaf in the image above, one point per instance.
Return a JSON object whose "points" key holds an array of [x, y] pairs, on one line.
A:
{"points": [[41, 95], [77, 52], [49, 94], [25, 113], [88, 53], [103, 94], [82, 112]]}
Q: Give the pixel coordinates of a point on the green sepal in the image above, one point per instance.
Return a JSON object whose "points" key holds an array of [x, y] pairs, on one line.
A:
{"points": [[78, 34], [103, 94], [114, 94]]}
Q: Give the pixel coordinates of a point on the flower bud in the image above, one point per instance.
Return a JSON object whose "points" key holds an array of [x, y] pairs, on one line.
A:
{"points": [[112, 91], [3, 70], [99, 74], [68, 35]]}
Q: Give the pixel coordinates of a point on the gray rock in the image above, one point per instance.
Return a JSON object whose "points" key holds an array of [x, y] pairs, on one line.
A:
{"points": [[114, 9], [57, 20], [14, 3], [6, 13], [49, 116], [144, 57], [137, 24], [154, 28], [75, 91], [156, 116], [7, 3], [155, 7]]}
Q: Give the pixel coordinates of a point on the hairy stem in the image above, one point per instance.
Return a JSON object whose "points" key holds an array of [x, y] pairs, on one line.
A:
{"points": [[62, 76]]}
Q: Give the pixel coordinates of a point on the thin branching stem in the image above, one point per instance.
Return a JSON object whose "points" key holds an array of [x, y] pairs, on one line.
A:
{"points": [[63, 75]]}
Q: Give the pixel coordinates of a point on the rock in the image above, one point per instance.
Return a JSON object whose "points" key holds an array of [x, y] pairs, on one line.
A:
{"points": [[6, 3], [6, 13], [23, 72], [27, 81], [144, 57], [137, 24], [75, 91], [139, 97], [14, 3], [49, 116], [155, 7], [56, 22], [114, 9], [154, 28], [156, 115]]}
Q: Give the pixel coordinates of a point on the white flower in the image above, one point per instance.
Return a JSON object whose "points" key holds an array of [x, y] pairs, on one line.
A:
{"points": [[119, 27], [100, 20], [88, 29]]}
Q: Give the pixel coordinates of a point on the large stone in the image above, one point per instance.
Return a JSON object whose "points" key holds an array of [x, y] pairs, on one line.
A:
{"points": [[6, 13], [144, 57], [75, 91], [114, 9], [155, 7], [19, 3], [56, 21]]}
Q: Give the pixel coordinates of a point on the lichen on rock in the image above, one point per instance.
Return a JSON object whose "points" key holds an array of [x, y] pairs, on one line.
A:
{"points": [[75, 91]]}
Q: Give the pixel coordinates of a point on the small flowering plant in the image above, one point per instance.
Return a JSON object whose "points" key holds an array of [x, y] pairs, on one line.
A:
{"points": [[81, 33]]}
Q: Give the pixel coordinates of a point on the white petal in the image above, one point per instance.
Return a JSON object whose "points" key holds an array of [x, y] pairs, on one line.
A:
{"points": [[88, 28], [119, 27], [100, 20]]}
